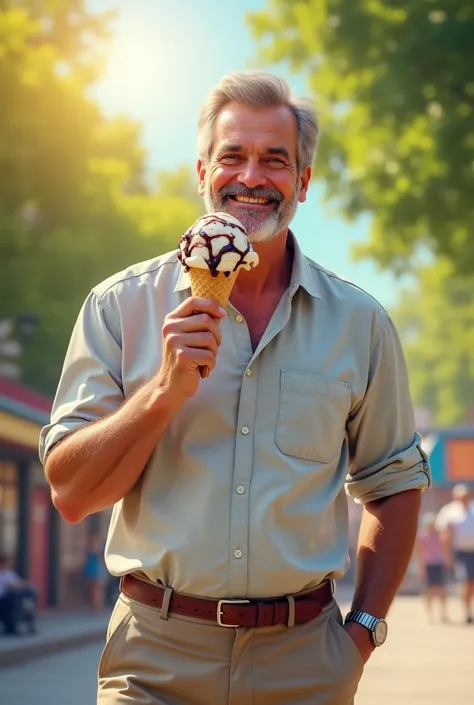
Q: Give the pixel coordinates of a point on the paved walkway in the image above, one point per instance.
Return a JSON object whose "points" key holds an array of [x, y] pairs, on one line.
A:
{"points": [[421, 663], [57, 631]]}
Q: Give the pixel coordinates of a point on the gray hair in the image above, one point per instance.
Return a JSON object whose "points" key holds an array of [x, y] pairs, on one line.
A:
{"points": [[259, 89]]}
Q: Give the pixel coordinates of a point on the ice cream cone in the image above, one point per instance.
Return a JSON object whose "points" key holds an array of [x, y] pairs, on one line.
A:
{"points": [[213, 251], [205, 286]]}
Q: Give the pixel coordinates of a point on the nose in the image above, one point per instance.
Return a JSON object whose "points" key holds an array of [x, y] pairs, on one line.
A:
{"points": [[252, 174]]}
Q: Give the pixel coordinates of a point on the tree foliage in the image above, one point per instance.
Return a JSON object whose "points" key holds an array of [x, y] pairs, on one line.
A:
{"points": [[436, 323], [394, 84], [75, 204]]}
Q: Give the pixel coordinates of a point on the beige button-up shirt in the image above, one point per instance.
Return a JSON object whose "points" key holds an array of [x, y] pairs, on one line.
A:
{"points": [[245, 494]]}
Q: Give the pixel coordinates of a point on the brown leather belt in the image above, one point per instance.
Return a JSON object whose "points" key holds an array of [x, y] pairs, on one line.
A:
{"points": [[234, 613]]}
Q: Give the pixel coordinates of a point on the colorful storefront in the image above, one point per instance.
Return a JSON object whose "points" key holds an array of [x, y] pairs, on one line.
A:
{"points": [[451, 456], [42, 547], [451, 453], [28, 525]]}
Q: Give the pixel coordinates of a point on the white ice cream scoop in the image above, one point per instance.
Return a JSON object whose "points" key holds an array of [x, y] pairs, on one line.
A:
{"points": [[217, 242]]}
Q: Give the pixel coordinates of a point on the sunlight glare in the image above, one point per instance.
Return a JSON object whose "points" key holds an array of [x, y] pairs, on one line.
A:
{"points": [[138, 69]]}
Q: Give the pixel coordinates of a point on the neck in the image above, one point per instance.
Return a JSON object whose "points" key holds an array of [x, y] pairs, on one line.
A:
{"points": [[273, 271]]}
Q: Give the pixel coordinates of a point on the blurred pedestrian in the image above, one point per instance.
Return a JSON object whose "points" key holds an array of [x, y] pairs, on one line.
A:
{"points": [[432, 563], [456, 521], [18, 599], [95, 573]]}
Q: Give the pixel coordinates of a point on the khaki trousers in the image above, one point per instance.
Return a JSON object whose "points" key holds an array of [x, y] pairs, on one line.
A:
{"points": [[148, 660]]}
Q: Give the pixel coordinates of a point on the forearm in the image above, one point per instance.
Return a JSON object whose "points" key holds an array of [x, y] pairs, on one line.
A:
{"points": [[98, 465], [386, 540]]}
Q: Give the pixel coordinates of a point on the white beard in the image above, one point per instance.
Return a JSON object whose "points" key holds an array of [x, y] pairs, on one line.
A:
{"points": [[258, 231]]}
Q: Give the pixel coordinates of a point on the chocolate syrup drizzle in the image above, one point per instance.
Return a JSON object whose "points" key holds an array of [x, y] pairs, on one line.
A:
{"points": [[213, 261]]}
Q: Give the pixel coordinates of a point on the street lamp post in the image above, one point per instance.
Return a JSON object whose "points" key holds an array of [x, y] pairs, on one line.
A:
{"points": [[14, 333]]}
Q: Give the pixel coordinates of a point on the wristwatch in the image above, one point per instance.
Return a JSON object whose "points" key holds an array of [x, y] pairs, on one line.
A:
{"points": [[378, 628]]}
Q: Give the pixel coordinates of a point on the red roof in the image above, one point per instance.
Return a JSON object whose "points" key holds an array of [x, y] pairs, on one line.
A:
{"points": [[25, 395]]}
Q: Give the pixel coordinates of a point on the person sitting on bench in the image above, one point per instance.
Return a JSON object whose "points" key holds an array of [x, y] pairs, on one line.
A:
{"points": [[18, 599]]}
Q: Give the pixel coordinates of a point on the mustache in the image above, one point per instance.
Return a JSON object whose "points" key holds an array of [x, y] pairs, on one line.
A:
{"points": [[259, 192]]}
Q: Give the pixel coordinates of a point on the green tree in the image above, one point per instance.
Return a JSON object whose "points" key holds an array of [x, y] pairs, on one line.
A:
{"points": [[394, 84], [75, 203], [436, 322]]}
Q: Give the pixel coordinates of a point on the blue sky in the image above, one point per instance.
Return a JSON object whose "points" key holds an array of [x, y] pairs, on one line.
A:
{"points": [[165, 57]]}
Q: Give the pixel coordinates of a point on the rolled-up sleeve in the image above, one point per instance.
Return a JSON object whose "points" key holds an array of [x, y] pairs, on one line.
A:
{"points": [[386, 456], [90, 386]]}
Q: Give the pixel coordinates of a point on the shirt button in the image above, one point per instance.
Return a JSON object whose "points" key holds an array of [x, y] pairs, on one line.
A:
{"points": [[240, 489], [248, 372], [239, 318], [245, 430], [238, 553]]}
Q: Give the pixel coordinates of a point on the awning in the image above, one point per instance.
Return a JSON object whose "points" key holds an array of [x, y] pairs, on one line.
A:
{"points": [[23, 412]]}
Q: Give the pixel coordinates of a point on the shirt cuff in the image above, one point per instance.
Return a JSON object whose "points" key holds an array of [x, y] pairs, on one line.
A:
{"points": [[52, 434], [392, 478]]}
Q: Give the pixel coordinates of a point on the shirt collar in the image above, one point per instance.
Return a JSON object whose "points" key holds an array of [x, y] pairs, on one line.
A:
{"points": [[302, 275]]}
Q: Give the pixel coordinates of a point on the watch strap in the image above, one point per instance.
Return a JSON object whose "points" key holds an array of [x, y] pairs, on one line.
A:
{"points": [[367, 620]]}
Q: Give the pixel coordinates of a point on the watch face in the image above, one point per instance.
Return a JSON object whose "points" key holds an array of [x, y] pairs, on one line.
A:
{"points": [[380, 632]]}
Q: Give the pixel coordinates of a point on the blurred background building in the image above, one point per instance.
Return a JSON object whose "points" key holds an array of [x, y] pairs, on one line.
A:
{"points": [[46, 550]]}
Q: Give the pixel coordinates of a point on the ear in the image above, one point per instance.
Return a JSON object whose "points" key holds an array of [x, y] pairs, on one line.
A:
{"points": [[305, 179], [201, 172]]}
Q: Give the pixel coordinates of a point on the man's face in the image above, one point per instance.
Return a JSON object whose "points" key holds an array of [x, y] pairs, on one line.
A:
{"points": [[252, 173]]}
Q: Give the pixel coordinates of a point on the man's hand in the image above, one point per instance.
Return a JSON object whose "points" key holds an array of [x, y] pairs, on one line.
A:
{"points": [[191, 339], [361, 638]]}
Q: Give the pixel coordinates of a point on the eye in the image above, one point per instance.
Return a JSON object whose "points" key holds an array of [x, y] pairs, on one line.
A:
{"points": [[230, 158], [276, 162]]}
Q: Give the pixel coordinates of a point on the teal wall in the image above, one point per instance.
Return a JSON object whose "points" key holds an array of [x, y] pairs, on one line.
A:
{"points": [[437, 456], [437, 463]]}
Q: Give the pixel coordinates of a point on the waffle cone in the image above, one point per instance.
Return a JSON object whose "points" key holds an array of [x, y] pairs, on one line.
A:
{"points": [[205, 286]]}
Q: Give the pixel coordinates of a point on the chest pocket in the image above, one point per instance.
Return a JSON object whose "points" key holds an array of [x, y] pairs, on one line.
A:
{"points": [[312, 415]]}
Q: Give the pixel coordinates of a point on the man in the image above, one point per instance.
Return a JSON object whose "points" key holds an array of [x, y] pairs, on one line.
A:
{"points": [[230, 516], [456, 522]]}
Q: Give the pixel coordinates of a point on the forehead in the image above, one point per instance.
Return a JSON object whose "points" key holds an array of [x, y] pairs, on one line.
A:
{"points": [[256, 127]]}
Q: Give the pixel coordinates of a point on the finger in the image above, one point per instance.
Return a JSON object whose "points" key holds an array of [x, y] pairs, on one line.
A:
{"points": [[199, 322], [202, 358], [200, 340], [196, 305]]}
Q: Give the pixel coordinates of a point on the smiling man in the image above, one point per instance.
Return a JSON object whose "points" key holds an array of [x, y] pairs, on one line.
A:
{"points": [[230, 518]]}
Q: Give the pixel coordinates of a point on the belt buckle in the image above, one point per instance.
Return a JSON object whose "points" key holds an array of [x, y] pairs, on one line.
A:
{"points": [[220, 613]]}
